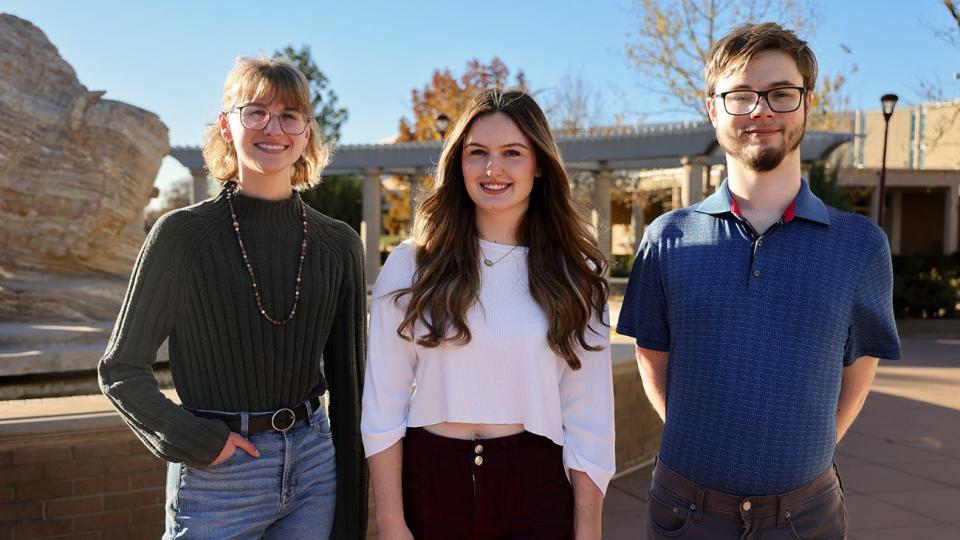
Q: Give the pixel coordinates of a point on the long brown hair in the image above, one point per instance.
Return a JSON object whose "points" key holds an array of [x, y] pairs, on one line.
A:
{"points": [[565, 266]]}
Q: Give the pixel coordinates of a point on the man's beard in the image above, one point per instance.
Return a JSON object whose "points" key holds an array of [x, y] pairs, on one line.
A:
{"points": [[763, 157]]}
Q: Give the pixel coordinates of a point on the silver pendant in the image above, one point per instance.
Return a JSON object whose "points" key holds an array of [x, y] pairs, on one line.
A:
{"points": [[488, 262]]}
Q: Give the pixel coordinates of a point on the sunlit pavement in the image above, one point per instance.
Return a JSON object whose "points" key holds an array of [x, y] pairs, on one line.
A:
{"points": [[900, 462]]}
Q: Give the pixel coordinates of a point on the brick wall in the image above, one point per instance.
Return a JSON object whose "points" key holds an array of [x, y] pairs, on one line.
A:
{"points": [[638, 426], [92, 479], [93, 485]]}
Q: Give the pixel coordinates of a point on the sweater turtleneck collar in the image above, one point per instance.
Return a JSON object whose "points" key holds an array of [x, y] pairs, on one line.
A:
{"points": [[262, 210]]}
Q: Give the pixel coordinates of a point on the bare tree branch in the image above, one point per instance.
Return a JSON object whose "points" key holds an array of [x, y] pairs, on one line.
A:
{"points": [[574, 105], [954, 9], [673, 39], [933, 90]]}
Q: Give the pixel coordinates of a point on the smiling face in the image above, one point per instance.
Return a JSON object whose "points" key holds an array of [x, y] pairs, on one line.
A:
{"points": [[762, 139], [268, 151], [499, 166]]}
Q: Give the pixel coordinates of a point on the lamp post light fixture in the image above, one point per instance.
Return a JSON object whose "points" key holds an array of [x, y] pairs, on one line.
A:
{"points": [[442, 123], [889, 101]]}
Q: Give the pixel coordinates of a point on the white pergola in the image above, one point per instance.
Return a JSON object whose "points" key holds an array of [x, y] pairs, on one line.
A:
{"points": [[691, 146]]}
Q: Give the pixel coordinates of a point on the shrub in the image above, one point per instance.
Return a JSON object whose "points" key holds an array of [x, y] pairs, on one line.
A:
{"points": [[620, 265], [926, 286]]}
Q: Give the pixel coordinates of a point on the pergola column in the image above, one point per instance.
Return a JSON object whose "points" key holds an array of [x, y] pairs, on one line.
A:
{"points": [[951, 219], [601, 210], [371, 227], [198, 186], [637, 219], [695, 170], [896, 221], [721, 175]]}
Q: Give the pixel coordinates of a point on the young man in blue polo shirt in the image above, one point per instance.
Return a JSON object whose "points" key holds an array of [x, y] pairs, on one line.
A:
{"points": [[759, 315]]}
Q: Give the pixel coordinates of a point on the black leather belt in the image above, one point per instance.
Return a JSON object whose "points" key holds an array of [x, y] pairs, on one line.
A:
{"points": [[280, 420]]}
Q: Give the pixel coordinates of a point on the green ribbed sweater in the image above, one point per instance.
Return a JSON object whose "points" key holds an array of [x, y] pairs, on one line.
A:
{"points": [[189, 284]]}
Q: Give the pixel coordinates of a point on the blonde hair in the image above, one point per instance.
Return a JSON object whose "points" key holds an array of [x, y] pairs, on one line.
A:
{"points": [[272, 79], [740, 45]]}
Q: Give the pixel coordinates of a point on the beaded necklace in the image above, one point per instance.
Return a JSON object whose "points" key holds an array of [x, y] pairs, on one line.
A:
{"points": [[231, 194]]}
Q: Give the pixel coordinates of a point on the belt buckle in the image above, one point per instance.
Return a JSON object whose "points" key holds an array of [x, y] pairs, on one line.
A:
{"points": [[292, 420]]}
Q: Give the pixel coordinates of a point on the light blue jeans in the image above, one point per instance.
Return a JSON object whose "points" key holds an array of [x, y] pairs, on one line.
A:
{"points": [[288, 492]]}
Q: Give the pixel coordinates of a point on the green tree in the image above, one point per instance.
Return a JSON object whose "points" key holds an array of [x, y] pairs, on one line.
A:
{"points": [[330, 117], [340, 197], [824, 184]]}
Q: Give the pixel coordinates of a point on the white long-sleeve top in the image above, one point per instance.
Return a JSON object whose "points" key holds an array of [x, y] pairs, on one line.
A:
{"points": [[506, 374]]}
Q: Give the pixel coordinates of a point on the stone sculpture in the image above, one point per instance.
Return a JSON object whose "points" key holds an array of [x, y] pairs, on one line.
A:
{"points": [[76, 171]]}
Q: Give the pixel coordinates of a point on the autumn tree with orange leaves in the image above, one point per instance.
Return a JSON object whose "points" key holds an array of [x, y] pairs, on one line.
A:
{"points": [[447, 94]]}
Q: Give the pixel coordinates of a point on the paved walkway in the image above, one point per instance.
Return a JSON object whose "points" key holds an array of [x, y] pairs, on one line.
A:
{"points": [[900, 462]]}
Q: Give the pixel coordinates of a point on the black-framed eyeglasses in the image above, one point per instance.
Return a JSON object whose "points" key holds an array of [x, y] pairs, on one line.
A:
{"points": [[783, 99], [256, 117]]}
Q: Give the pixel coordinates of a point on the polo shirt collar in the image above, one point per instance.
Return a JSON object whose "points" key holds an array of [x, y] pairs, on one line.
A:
{"points": [[806, 205]]}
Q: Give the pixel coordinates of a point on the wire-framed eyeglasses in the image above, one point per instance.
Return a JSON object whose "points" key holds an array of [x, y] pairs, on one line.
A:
{"points": [[256, 117]]}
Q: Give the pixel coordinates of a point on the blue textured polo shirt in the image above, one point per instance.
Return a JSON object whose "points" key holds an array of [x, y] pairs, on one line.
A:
{"points": [[759, 329]]}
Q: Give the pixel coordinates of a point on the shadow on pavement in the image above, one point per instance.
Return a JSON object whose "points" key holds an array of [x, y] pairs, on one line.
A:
{"points": [[900, 466]]}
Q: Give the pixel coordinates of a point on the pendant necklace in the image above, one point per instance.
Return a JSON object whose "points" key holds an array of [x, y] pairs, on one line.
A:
{"points": [[488, 262]]}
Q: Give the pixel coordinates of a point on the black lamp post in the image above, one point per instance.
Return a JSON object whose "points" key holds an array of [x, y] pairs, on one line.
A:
{"points": [[889, 101], [442, 123]]}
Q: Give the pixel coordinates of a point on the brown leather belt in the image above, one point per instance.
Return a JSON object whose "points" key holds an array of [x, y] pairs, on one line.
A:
{"points": [[280, 420]]}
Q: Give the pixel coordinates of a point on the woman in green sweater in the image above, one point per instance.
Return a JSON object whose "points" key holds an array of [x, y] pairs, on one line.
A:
{"points": [[262, 300]]}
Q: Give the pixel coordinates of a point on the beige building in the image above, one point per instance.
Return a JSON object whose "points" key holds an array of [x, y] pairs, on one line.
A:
{"points": [[922, 215]]}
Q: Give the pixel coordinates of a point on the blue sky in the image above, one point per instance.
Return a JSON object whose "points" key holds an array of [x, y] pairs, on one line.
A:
{"points": [[172, 57]]}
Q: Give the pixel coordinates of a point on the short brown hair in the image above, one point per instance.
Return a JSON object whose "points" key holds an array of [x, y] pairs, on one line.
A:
{"points": [[741, 44], [270, 79]]}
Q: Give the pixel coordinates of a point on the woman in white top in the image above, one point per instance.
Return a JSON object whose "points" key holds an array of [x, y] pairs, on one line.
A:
{"points": [[488, 402]]}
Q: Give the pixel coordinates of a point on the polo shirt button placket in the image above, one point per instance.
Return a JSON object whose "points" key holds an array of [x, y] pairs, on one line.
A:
{"points": [[755, 257]]}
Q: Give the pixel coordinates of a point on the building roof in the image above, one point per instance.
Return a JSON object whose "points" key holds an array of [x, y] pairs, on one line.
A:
{"points": [[639, 147]]}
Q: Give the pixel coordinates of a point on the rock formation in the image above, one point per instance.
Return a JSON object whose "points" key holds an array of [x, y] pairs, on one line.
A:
{"points": [[76, 172]]}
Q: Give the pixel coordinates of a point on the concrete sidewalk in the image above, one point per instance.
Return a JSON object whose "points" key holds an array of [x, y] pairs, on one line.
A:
{"points": [[900, 462]]}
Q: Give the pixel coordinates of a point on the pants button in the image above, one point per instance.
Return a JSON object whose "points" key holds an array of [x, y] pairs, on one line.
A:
{"points": [[478, 460], [478, 449], [746, 506]]}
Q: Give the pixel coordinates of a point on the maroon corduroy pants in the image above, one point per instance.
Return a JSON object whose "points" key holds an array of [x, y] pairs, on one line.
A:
{"points": [[486, 489]]}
